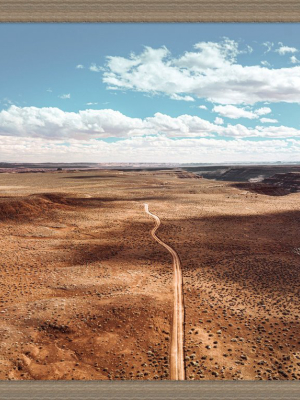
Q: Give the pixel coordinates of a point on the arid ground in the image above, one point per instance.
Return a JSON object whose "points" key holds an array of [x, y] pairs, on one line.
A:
{"points": [[86, 293]]}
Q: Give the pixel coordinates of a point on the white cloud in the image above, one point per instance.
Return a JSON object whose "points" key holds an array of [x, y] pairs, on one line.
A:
{"points": [[203, 107], [183, 125], [148, 149], [209, 55], [234, 112], [259, 131], [91, 104], [294, 60], [249, 50], [263, 111], [282, 50], [210, 71], [219, 121], [268, 120], [265, 63], [65, 96], [269, 46], [54, 124], [95, 68], [79, 66], [184, 98], [49, 90]]}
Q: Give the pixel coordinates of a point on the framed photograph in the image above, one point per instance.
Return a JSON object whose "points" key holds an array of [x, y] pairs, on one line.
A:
{"points": [[149, 200]]}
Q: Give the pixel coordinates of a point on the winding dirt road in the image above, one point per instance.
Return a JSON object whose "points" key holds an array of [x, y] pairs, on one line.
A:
{"points": [[176, 358]]}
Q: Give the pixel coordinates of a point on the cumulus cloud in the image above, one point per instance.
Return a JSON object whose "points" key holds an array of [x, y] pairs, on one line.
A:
{"points": [[294, 60], [219, 121], [79, 66], [209, 55], [210, 71], [203, 107], [282, 50], [268, 120], [53, 123], [259, 131], [234, 112], [263, 111], [183, 125]]}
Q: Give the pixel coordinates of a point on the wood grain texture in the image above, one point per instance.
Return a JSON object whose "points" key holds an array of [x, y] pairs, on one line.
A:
{"points": [[149, 11]]}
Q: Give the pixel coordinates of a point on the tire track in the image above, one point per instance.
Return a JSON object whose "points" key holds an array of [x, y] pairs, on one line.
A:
{"points": [[177, 337]]}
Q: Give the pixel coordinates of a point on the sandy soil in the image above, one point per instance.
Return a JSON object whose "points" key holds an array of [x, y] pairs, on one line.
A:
{"points": [[86, 293]]}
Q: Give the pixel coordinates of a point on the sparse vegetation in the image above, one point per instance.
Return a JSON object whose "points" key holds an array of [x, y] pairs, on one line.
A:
{"points": [[87, 294]]}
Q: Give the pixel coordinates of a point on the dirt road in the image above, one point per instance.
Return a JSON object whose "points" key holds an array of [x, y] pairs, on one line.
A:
{"points": [[176, 359]]}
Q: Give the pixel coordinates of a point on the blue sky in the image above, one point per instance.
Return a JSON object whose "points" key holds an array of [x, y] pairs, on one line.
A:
{"points": [[150, 92]]}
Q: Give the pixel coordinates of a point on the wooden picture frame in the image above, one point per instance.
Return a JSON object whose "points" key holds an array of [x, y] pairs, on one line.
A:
{"points": [[149, 11], [41, 11]]}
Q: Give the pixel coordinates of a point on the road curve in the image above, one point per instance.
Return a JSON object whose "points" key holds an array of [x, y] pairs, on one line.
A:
{"points": [[176, 357]]}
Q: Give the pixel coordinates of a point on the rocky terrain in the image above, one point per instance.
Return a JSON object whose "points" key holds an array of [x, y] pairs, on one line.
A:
{"points": [[276, 185], [243, 173], [289, 181], [86, 293]]}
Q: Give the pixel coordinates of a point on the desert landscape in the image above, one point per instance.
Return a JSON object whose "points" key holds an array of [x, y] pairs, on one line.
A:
{"points": [[87, 293]]}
